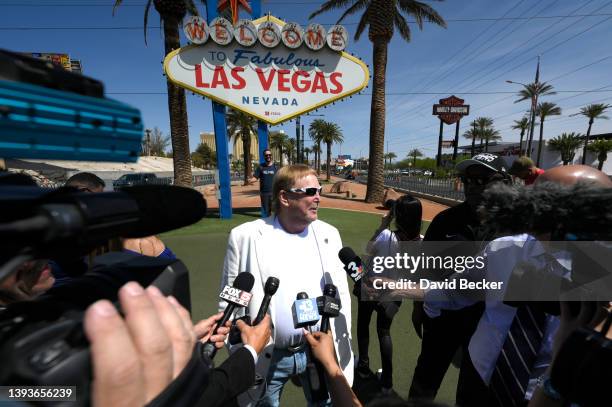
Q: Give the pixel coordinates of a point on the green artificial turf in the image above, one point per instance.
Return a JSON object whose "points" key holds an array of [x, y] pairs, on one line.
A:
{"points": [[202, 248]]}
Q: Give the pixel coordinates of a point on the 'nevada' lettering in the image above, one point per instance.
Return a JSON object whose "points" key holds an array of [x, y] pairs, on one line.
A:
{"points": [[266, 100]]}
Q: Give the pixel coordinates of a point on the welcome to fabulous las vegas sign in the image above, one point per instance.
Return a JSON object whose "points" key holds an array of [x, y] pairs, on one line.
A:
{"points": [[267, 68]]}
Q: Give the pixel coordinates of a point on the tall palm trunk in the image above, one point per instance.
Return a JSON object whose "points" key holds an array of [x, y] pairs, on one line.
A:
{"points": [[328, 160], [540, 142], [473, 145], [280, 154], [246, 146], [376, 188], [319, 158], [586, 142], [521, 143], [177, 106], [602, 156], [486, 145]]}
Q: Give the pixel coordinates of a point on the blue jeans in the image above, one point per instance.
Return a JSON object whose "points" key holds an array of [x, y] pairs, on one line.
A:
{"points": [[285, 364]]}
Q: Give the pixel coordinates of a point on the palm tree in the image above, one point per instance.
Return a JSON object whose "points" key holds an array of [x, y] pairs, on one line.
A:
{"points": [[172, 13], [602, 148], [330, 134], [483, 124], [521, 125], [307, 151], [315, 132], [544, 110], [391, 156], [472, 134], [532, 92], [489, 134], [593, 111], [278, 140], [242, 125], [291, 150], [566, 144], [382, 16], [414, 153]]}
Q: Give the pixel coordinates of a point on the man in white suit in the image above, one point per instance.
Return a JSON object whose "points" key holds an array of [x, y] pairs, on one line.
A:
{"points": [[302, 252]]}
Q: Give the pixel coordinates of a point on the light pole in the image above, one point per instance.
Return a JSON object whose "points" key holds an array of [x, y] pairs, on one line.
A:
{"points": [[532, 112]]}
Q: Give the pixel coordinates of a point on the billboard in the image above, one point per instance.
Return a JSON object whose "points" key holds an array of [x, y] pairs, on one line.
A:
{"points": [[281, 74]]}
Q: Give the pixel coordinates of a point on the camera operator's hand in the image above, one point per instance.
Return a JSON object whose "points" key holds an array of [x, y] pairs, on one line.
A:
{"points": [[204, 328], [136, 357], [255, 336], [578, 314]]}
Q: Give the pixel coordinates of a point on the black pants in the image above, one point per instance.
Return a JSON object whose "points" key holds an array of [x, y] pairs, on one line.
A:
{"points": [[442, 337], [266, 204], [383, 328]]}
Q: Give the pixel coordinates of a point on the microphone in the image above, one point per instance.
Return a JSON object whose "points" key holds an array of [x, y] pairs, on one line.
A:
{"points": [[269, 290], [328, 306], [237, 295], [352, 263], [304, 311], [68, 222]]}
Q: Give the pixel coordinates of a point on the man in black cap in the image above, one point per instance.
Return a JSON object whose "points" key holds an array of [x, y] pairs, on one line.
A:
{"points": [[443, 332]]}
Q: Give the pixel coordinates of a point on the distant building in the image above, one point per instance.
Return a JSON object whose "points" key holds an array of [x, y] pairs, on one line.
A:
{"points": [[63, 60]]}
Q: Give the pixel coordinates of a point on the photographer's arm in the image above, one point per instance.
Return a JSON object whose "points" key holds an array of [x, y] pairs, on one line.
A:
{"points": [[322, 346]]}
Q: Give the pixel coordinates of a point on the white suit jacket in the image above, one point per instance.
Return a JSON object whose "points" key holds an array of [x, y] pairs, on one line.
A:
{"points": [[251, 248]]}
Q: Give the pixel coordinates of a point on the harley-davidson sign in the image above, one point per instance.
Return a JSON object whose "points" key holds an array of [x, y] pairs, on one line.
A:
{"points": [[274, 83], [451, 109]]}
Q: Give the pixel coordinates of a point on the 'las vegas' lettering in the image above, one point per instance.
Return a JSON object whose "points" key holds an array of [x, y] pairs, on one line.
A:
{"points": [[283, 80]]}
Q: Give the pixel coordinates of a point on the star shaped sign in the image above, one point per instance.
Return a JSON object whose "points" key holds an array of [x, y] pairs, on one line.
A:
{"points": [[234, 4]]}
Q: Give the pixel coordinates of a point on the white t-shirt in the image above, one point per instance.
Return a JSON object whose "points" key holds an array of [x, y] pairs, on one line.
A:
{"points": [[297, 264]]}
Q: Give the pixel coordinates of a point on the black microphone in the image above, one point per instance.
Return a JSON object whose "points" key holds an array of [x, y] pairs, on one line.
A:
{"points": [[352, 263], [328, 305], [68, 222], [237, 295], [269, 290]]}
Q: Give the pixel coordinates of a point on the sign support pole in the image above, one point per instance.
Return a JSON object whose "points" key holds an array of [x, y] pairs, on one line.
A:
{"points": [[262, 127], [439, 157], [223, 165], [455, 146]]}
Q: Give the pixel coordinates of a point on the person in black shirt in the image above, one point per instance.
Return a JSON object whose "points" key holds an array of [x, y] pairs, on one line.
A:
{"points": [[461, 226], [265, 174]]}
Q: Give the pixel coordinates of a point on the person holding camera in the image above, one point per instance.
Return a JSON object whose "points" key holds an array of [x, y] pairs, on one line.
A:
{"points": [[407, 212]]}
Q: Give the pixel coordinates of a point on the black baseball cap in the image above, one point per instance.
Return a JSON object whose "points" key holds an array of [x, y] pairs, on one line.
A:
{"points": [[491, 161]]}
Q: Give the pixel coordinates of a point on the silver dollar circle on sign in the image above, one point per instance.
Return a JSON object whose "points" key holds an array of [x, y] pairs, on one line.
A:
{"points": [[292, 35], [269, 34], [245, 33], [221, 31], [315, 36], [337, 38], [196, 30]]}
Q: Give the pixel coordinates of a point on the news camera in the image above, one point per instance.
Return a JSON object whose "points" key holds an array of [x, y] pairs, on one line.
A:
{"points": [[46, 112]]}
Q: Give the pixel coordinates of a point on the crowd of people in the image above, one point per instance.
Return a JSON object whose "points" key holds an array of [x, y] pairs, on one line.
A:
{"points": [[511, 353]]}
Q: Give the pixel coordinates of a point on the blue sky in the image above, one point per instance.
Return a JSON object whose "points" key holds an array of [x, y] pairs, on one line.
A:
{"points": [[486, 43]]}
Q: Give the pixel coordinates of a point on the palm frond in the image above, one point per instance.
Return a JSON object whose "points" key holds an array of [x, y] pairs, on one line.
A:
{"points": [[330, 5], [422, 11], [117, 4], [146, 19], [359, 4], [402, 26], [363, 23]]}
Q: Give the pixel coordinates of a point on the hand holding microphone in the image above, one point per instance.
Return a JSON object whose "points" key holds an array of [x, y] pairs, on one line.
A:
{"points": [[237, 295], [270, 288]]}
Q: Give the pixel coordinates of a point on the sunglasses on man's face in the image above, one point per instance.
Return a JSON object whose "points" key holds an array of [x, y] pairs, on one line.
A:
{"points": [[312, 191]]}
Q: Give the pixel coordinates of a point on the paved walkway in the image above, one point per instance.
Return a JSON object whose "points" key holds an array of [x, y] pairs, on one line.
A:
{"points": [[248, 197]]}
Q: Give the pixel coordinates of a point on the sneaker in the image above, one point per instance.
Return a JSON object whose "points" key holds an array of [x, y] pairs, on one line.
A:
{"points": [[363, 369]]}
